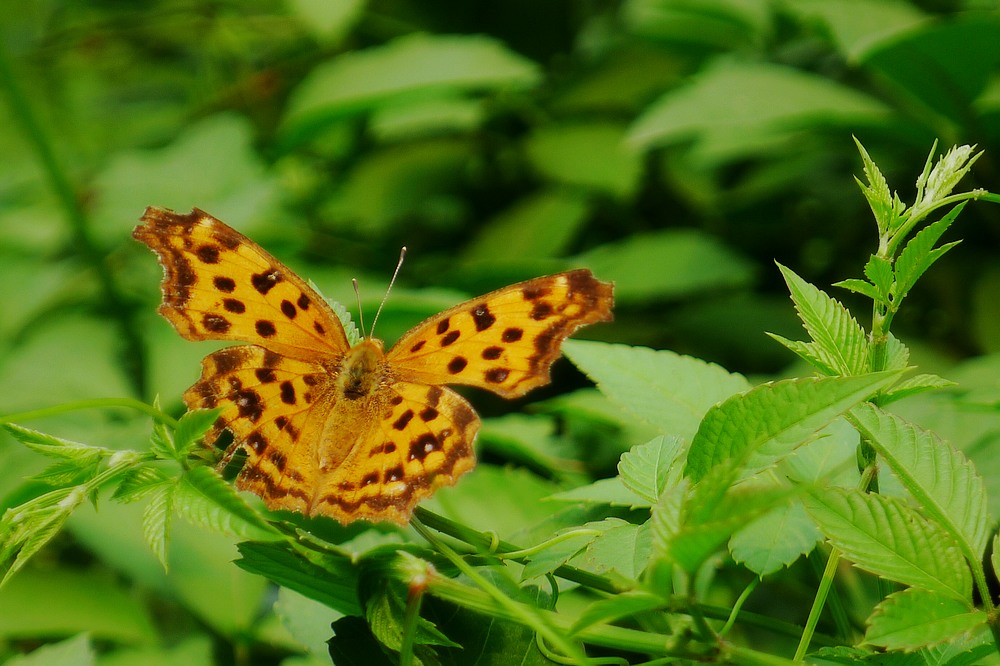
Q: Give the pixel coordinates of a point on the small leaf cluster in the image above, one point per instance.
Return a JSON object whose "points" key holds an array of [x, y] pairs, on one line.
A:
{"points": [[167, 477]]}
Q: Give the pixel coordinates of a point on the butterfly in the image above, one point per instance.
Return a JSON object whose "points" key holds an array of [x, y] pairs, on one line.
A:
{"points": [[349, 432]]}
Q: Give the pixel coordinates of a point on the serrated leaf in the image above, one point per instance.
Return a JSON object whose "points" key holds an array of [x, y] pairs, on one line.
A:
{"points": [[756, 547], [205, 499], [879, 271], [331, 580], [25, 529], [54, 447], [138, 482], [919, 253], [916, 618], [913, 386], [622, 547], [897, 354], [751, 431], [877, 193], [688, 530], [839, 338], [884, 536], [70, 472], [809, 352], [343, 314], [611, 491], [647, 469], [667, 390], [860, 287], [940, 477], [156, 519], [191, 428]]}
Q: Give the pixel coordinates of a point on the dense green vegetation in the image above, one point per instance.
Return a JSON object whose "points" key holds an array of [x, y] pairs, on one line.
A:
{"points": [[676, 148]]}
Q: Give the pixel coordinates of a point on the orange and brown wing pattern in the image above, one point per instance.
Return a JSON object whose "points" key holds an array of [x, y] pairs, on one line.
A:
{"points": [[269, 403], [504, 341], [413, 440], [220, 285]]}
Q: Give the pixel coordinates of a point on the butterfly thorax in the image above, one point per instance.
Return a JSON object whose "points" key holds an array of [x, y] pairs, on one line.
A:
{"points": [[361, 370]]}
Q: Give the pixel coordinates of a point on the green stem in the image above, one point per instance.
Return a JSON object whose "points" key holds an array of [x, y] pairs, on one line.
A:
{"points": [[94, 403], [485, 541], [59, 181], [825, 583]]}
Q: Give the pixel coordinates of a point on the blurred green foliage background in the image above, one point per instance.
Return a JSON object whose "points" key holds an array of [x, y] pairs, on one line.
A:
{"points": [[677, 147]]}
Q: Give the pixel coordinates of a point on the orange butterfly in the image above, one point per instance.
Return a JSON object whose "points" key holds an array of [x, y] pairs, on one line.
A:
{"points": [[351, 432]]}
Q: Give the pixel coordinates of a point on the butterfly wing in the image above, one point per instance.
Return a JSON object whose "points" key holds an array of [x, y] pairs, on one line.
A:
{"points": [[504, 341], [268, 403], [220, 285], [415, 439]]}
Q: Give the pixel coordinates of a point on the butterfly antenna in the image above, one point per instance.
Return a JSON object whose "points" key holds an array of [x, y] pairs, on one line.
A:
{"points": [[399, 264], [361, 313]]}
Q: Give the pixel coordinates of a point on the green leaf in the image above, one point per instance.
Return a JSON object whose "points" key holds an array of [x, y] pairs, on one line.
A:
{"points": [[70, 472], [330, 21], [756, 547], [919, 253], [809, 352], [860, 287], [205, 499], [648, 469], [56, 447], [940, 477], [669, 264], [139, 482], [916, 618], [307, 620], [330, 580], [344, 315], [914, 386], [946, 174], [669, 391], [622, 547], [611, 491], [750, 431], [885, 206], [191, 428], [884, 536], [879, 271], [25, 529], [589, 155], [839, 340], [687, 530], [558, 553], [156, 519], [540, 225], [75, 651], [772, 98], [415, 66]]}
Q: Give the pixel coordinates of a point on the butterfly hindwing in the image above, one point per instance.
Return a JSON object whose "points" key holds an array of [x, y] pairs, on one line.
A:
{"points": [[417, 439]]}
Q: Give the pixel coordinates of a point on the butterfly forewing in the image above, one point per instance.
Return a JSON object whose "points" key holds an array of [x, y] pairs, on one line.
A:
{"points": [[219, 285], [504, 341]]}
